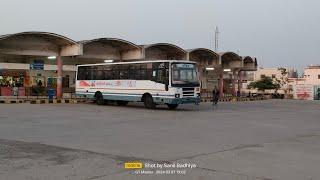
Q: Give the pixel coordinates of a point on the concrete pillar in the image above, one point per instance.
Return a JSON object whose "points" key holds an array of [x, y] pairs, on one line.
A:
{"points": [[240, 76], [60, 75], [221, 84], [234, 92], [188, 56], [201, 76]]}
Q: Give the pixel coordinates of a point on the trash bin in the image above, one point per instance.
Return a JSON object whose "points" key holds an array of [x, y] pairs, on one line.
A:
{"points": [[51, 93]]}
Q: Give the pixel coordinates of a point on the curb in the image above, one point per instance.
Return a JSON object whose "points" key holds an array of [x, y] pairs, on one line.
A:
{"points": [[12, 101], [234, 99], [54, 101]]}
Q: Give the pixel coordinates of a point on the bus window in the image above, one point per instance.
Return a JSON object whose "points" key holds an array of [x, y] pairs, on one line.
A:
{"points": [[115, 72], [146, 71], [124, 71], [94, 73], [160, 73], [81, 73], [100, 73], [184, 73], [134, 72], [108, 72], [84, 73]]}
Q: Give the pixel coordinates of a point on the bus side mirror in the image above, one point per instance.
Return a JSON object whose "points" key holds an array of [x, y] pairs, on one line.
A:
{"points": [[167, 87]]}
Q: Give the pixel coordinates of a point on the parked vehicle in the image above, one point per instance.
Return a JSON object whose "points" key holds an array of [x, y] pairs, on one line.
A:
{"points": [[169, 82]]}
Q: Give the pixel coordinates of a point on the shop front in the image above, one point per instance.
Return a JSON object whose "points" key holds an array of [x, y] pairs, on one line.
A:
{"points": [[12, 82], [34, 82], [43, 80]]}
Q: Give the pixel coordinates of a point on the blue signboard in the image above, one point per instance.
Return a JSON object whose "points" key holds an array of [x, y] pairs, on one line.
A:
{"points": [[186, 66], [37, 65]]}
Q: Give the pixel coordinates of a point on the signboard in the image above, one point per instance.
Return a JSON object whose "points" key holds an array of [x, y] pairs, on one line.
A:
{"points": [[185, 66], [37, 65], [303, 92], [13, 73]]}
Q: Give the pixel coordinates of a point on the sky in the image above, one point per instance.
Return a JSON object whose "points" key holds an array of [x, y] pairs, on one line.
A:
{"points": [[280, 33]]}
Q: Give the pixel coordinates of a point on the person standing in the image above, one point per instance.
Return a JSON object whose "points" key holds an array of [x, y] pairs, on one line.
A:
{"points": [[15, 90], [39, 83], [215, 96]]}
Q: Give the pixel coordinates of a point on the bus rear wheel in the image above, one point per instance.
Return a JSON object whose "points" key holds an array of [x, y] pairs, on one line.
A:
{"points": [[99, 98], [148, 102], [172, 106]]}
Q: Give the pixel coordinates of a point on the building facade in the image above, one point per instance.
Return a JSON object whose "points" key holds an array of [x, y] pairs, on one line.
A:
{"points": [[308, 86], [278, 75], [30, 60]]}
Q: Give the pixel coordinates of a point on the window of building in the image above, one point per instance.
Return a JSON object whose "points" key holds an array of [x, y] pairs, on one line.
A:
{"points": [[318, 76]]}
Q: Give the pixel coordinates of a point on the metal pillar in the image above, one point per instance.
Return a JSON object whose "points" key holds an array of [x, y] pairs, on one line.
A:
{"points": [[221, 84], [60, 75]]}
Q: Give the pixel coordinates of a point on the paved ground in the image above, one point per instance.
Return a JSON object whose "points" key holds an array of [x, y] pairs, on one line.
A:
{"points": [[250, 140]]}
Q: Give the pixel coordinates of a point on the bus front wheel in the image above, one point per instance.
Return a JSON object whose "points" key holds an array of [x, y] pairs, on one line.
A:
{"points": [[172, 106], [148, 102], [99, 98]]}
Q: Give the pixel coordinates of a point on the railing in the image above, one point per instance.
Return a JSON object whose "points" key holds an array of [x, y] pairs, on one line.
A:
{"points": [[208, 94]]}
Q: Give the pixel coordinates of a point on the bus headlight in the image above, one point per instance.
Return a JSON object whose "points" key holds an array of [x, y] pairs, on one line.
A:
{"points": [[177, 95]]}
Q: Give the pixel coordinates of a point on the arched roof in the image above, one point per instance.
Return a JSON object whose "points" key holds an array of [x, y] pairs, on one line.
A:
{"points": [[115, 42], [52, 37], [203, 51], [165, 46], [249, 63], [110, 48], [248, 59], [230, 56]]}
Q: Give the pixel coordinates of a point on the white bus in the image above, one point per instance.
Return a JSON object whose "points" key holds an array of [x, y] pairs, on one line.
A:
{"points": [[169, 82]]}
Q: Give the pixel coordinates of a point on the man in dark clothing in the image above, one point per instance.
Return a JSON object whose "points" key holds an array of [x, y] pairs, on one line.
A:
{"points": [[238, 94], [40, 83], [215, 96]]}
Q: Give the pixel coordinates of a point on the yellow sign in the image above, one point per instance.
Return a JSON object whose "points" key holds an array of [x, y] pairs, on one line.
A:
{"points": [[133, 165]]}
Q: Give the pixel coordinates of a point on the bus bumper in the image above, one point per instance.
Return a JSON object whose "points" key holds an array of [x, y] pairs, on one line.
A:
{"points": [[189, 100]]}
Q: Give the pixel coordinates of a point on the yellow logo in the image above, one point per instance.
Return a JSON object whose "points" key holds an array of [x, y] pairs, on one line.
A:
{"points": [[133, 165]]}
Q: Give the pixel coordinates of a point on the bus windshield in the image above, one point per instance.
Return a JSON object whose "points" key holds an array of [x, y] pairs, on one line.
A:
{"points": [[184, 73]]}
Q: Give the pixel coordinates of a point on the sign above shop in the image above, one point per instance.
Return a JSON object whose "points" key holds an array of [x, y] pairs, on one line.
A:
{"points": [[11, 72], [37, 65]]}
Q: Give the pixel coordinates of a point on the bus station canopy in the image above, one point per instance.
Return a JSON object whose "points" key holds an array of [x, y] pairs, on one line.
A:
{"points": [[204, 56], [249, 63], [164, 51], [230, 60], [110, 48], [38, 44]]}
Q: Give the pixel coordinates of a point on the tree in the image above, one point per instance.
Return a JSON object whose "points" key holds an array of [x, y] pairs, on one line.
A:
{"points": [[264, 84], [283, 79]]}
